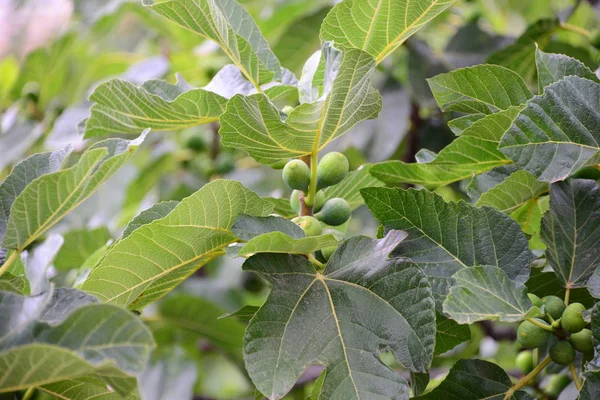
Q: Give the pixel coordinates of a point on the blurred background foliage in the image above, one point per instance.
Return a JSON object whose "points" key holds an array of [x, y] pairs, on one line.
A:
{"points": [[54, 52]]}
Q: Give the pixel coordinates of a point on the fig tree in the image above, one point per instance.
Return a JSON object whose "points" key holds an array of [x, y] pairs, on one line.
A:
{"points": [[296, 175], [335, 212], [572, 319], [333, 167]]}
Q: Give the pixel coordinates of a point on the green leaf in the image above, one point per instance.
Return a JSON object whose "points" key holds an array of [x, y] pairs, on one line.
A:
{"points": [[570, 230], [474, 380], [79, 245], [467, 90], [591, 387], [444, 238], [38, 260], [64, 190], [201, 317], [279, 242], [62, 337], [552, 68], [594, 364], [229, 25], [22, 175], [546, 283], [281, 207], [486, 293], [449, 334], [157, 211], [349, 188], [83, 389], [378, 27], [157, 256], [419, 382], [516, 190], [247, 227], [336, 94], [244, 314], [593, 284], [556, 134], [520, 56], [363, 302], [171, 375], [474, 152]]}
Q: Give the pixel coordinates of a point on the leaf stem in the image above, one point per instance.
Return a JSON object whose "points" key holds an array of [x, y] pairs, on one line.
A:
{"points": [[28, 394], [576, 29], [312, 188], [575, 376], [527, 378], [318, 263], [11, 259], [567, 295], [540, 324]]}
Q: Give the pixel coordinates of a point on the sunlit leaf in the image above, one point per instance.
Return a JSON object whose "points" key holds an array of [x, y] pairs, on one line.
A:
{"points": [[157, 256], [552, 68], [349, 188], [83, 389], [381, 26], [79, 245], [513, 192]]}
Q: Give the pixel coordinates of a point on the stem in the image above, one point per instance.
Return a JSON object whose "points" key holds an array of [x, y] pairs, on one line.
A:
{"points": [[576, 29], [527, 378], [11, 259], [567, 295], [306, 207], [28, 394], [318, 263], [575, 376], [312, 188], [540, 324]]}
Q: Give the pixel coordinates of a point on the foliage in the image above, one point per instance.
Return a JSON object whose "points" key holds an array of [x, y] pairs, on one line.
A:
{"points": [[446, 181]]}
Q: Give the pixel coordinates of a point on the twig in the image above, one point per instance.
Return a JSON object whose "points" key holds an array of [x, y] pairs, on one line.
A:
{"points": [[305, 209], [540, 324], [11, 259], [575, 376], [523, 382]]}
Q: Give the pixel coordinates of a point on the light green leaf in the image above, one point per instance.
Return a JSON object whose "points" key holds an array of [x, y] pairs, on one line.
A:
{"points": [[460, 124], [557, 133], [516, 190], [449, 334], [229, 25], [381, 26], [63, 338], [64, 190], [552, 68], [570, 230], [486, 293], [22, 175], [444, 238], [157, 211], [475, 380], [520, 56], [201, 317], [244, 314], [79, 245], [364, 301], [341, 96], [279, 242], [157, 256], [83, 389], [349, 188], [468, 90], [246, 227]]}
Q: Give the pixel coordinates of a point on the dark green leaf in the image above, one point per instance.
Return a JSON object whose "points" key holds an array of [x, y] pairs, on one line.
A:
{"points": [[79, 245], [449, 334], [552, 68], [419, 382]]}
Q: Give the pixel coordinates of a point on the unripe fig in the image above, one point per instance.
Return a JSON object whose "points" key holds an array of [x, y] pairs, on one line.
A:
{"points": [[310, 225], [327, 252], [562, 353], [195, 142], [524, 361], [333, 167], [582, 341], [295, 201], [279, 164], [287, 110], [536, 301], [554, 306], [296, 175], [531, 336], [335, 212], [572, 319], [557, 384]]}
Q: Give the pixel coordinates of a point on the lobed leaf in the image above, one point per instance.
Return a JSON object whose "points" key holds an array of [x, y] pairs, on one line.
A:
{"points": [[551, 68], [516, 190], [279, 242], [364, 301], [444, 238]]}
